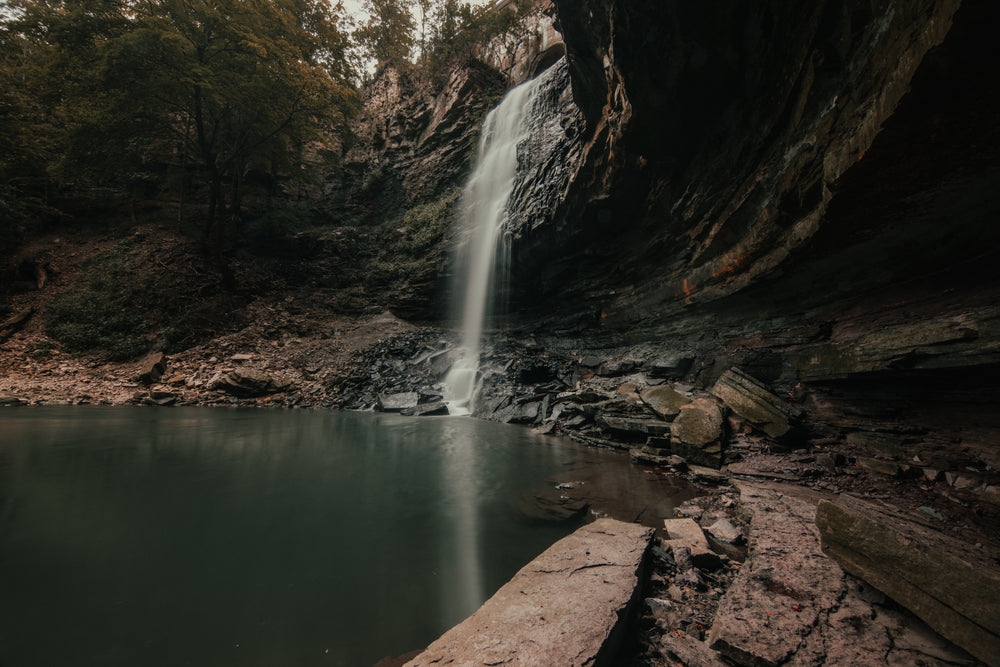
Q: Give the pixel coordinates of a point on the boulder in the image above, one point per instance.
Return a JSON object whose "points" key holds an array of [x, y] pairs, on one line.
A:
{"points": [[583, 396], [751, 400], [427, 409], [723, 530], [670, 365], [152, 368], [248, 383], [686, 533], [407, 400], [950, 585], [879, 466], [696, 433], [617, 367], [664, 401], [567, 607], [521, 413], [10, 399]]}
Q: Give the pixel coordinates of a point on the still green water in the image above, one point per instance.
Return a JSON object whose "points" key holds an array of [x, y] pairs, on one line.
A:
{"points": [[196, 536]]}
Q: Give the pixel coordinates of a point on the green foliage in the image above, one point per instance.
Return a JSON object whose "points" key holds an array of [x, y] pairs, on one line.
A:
{"points": [[130, 94], [389, 34], [230, 84], [412, 249], [102, 314], [461, 31], [49, 63]]}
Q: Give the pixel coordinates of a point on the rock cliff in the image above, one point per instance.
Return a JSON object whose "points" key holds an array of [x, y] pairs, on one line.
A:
{"points": [[802, 191]]}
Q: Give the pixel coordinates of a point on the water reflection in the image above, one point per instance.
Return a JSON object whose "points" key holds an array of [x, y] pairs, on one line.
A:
{"points": [[230, 537]]}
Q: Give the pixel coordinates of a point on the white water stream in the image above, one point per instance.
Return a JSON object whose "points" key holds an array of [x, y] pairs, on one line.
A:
{"points": [[483, 213]]}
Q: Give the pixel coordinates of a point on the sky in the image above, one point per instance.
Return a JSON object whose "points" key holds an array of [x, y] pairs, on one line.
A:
{"points": [[354, 7]]}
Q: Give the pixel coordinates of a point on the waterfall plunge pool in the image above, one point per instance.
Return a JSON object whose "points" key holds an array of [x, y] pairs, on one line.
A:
{"points": [[201, 536]]}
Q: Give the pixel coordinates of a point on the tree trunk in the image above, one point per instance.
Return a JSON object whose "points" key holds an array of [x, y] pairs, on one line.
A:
{"points": [[214, 231], [236, 195]]}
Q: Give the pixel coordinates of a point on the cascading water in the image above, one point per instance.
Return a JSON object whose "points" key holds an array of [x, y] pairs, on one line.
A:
{"points": [[484, 210]]}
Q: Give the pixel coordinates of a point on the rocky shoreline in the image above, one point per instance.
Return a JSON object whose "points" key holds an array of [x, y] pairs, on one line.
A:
{"points": [[737, 441]]}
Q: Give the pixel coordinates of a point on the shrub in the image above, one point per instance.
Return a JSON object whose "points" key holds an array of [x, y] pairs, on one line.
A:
{"points": [[102, 314], [411, 248], [272, 230]]}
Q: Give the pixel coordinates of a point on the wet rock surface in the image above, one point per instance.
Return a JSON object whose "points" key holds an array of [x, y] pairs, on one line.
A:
{"points": [[566, 607]]}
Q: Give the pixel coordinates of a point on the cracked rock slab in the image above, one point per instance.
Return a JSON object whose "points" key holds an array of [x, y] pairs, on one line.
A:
{"points": [[787, 587], [793, 605], [567, 607], [952, 586]]}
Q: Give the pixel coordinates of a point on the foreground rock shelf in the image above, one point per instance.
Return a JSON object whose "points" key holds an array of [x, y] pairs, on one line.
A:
{"points": [[952, 586], [790, 602], [761, 590], [567, 607]]}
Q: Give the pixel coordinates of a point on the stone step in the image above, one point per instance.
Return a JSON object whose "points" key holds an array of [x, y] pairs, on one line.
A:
{"points": [[567, 607]]}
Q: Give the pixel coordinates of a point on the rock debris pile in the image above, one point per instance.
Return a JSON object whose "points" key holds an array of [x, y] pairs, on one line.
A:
{"points": [[765, 593]]}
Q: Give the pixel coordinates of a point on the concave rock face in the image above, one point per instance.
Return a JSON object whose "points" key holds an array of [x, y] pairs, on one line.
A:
{"points": [[800, 189], [716, 132]]}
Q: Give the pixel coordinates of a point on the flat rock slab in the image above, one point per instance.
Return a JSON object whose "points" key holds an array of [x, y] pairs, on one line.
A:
{"points": [[248, 383], [654, 427], [664, 401], [782, 607], [792, 605], [687, 650], [407, 400], [567, 607], [750, 399], [952, 586]]}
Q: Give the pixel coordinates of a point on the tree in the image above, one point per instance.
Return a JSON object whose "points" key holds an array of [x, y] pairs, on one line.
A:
{"points": [[425, 19], [48, 54], [224, 83], [48, 51], [506, 29], [462, 31], [454, 36], [137, 89], [388, 36]]}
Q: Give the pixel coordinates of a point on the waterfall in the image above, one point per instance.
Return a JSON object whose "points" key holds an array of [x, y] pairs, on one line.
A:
{"points": [[484, 210]]}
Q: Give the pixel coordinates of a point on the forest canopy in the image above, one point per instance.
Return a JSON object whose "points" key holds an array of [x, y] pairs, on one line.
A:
{"points": [[199, 98]]}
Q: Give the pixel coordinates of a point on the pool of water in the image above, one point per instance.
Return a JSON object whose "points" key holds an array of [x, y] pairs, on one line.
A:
{"points": [[197, 536]]}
